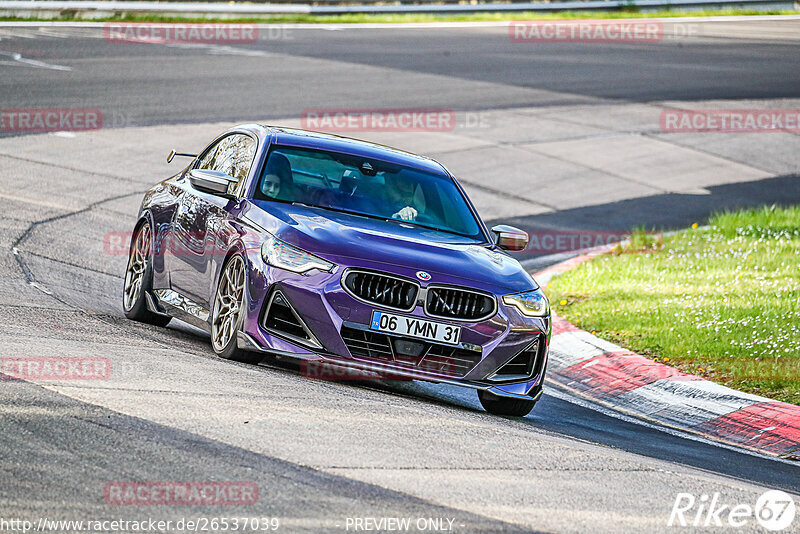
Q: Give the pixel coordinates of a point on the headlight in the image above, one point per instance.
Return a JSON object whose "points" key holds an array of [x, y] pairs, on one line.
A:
{"points": [[530, 303], [284, 256]]}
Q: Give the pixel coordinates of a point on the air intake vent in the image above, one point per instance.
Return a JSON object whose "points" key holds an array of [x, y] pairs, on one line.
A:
{"points": [[454, 303], [523, 365], [381, 289], [408, 353], [364, 344], [281, 319], [450, 361]]}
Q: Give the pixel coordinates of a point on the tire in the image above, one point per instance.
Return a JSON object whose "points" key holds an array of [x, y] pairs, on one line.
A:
{"points": [[226, 312], [139, 279], [497, 405]]}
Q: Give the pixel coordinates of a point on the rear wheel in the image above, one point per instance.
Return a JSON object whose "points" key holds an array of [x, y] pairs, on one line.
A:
{"points": [[227, 316], [497, 405], [139, 280]]}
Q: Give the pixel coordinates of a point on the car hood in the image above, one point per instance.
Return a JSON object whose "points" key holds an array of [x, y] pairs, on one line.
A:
{"points": [[360, 242]]}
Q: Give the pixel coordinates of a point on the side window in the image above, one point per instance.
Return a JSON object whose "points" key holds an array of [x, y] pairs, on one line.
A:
{"points": [[209, 160], [232, 155]]}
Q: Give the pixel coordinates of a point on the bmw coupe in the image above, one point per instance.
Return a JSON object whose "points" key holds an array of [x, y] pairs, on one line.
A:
{"points": [[331, 250]]}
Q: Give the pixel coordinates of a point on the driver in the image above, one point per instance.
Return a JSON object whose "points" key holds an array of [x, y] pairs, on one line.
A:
{"points": [[400, 197]]}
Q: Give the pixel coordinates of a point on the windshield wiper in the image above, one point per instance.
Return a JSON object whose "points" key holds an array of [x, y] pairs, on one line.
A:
{"points": [[341, 210], [381, 218], [279, 200], [429, 227]]}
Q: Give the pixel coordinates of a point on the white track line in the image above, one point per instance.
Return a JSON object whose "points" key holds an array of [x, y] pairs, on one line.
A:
{"points": [[18, 60]]}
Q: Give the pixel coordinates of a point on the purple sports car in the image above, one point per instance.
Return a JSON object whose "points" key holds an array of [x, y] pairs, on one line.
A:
{"points": [[337, 252]]}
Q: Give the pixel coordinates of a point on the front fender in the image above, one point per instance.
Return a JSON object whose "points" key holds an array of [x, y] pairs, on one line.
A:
{"points": [[233, 237]]}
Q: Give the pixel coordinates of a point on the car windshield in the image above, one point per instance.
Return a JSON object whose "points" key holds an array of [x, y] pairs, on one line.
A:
{"points": [[367, 187]]}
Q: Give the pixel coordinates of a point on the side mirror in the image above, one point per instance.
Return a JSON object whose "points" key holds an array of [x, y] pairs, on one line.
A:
{"points": [[214, 182], [510, 238], [172, 155]]}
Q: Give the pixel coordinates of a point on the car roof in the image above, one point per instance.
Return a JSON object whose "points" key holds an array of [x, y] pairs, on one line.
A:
{"points": [[335, 143]]}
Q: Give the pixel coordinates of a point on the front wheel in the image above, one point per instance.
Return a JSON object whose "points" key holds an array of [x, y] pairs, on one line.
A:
{"points": [[139, 280], [497, 405], [226, 315]]}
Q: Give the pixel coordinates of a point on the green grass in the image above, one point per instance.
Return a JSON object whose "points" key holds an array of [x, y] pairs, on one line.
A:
{"points": [[721, 302], [411, 17]]}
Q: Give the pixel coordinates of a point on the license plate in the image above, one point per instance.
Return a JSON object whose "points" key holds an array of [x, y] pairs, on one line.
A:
{"points": [[414, 327]]}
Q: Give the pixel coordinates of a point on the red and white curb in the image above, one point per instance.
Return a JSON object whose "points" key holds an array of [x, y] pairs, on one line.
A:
{"points": [[617, 378]]}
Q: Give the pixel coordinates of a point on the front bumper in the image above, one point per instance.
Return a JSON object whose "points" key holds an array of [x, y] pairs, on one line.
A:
{"points": [[326, 308]]}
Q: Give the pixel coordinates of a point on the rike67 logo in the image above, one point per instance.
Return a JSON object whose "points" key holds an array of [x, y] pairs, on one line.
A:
{"points": [[774, 511]]}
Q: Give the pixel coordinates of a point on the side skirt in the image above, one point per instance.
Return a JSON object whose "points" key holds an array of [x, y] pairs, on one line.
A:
{"points": [[176, 305]]}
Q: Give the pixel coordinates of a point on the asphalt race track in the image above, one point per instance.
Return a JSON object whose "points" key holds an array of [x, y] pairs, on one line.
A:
{"points": [[550, 137]]}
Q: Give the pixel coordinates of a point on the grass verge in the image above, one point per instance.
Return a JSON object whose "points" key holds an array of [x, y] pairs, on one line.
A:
{"points": [[722, 302], [412, 17]]}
